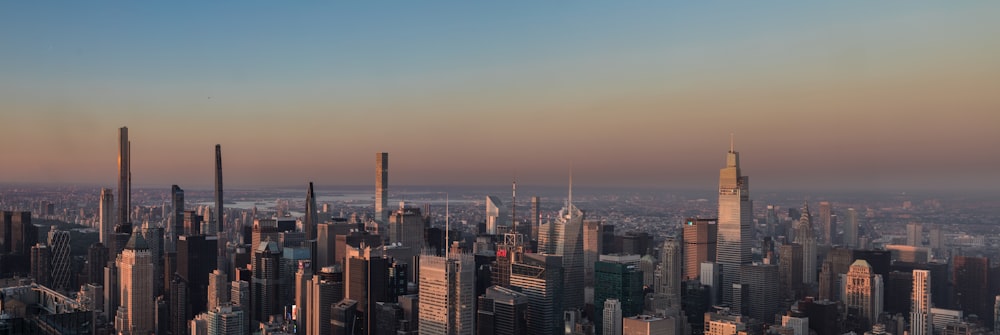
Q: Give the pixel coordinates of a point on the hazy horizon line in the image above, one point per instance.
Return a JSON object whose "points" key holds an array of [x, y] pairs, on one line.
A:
{"points": [[548, 188]]}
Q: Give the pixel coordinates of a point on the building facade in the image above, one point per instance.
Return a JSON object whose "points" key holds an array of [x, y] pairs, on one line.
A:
{"points": [[734, 225], [447, 295]]}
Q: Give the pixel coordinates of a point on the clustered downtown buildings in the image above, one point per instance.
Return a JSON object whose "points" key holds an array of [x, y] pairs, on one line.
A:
{"points": [[398, 271]]}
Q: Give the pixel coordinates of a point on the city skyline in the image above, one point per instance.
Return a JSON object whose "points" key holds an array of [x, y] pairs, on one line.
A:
{"points": [[821, 96]]}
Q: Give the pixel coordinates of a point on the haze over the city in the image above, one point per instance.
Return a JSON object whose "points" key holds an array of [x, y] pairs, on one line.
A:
{"points": [[839, 95]]}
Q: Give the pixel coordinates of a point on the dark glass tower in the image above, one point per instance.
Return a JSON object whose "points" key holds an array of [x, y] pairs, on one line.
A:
{"points": [[617, 281], [309, 224], [177, 204], [195, 260], [265, 288]]}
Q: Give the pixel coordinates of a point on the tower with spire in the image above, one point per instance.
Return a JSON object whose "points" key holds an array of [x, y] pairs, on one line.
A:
{"points": [[309, 222], [735, 223], [564, 237], [805, 236]]}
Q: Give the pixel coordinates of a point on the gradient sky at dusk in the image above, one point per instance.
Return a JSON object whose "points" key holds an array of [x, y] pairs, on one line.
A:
{"points": [[820, 95]]}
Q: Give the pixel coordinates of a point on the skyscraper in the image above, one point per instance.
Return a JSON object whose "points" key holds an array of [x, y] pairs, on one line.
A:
{"points": [[219, 211], [735, 223], [240, 296], [804, 235], [154, 239], [220, 214], [540, 277], [826, 222], [135, 268], [19, 234], [309, 224], [218, 289], [59, 245], [914, 234], [195, 261], [226, 319], [502, 311], [700, 241], [371, 276], [772, 222], [762, 284], [972, 285], [790, 270], [996, 315], [851, 230], [920, 303], [447, 294], [508, 251], [381, 186], [670, 272], [536, 217], [266, 281], [179, 302], [406, 226], [591, 250], [41, 264], [611, 317], [863, 290], [124, 178], [619, 281], [495, 214], [107, 215], [326, 289], [564, 237], [303, 294], [97, 258], [177, 202]]}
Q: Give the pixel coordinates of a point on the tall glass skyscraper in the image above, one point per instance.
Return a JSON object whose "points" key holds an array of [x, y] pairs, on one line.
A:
{"points": [[734, 225], [564, 237]]}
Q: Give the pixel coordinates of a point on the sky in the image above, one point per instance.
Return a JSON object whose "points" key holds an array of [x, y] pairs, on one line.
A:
{"points": [[819, 95]]}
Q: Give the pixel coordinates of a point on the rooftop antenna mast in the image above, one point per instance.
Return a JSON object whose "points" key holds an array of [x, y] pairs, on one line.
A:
{"points": [[732, 143], [513, 205], [569, 201]]}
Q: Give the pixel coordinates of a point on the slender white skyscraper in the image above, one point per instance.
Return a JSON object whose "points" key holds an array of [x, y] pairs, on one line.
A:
{"points": [[920, 303], [735, 223]]}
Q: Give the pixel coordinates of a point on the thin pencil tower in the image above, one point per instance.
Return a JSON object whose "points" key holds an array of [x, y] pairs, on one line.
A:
{"points": [[124, 177], [219, 215]]}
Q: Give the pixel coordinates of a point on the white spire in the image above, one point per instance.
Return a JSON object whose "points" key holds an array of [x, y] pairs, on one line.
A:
{"points": [[732, 143], [569, 201]]}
